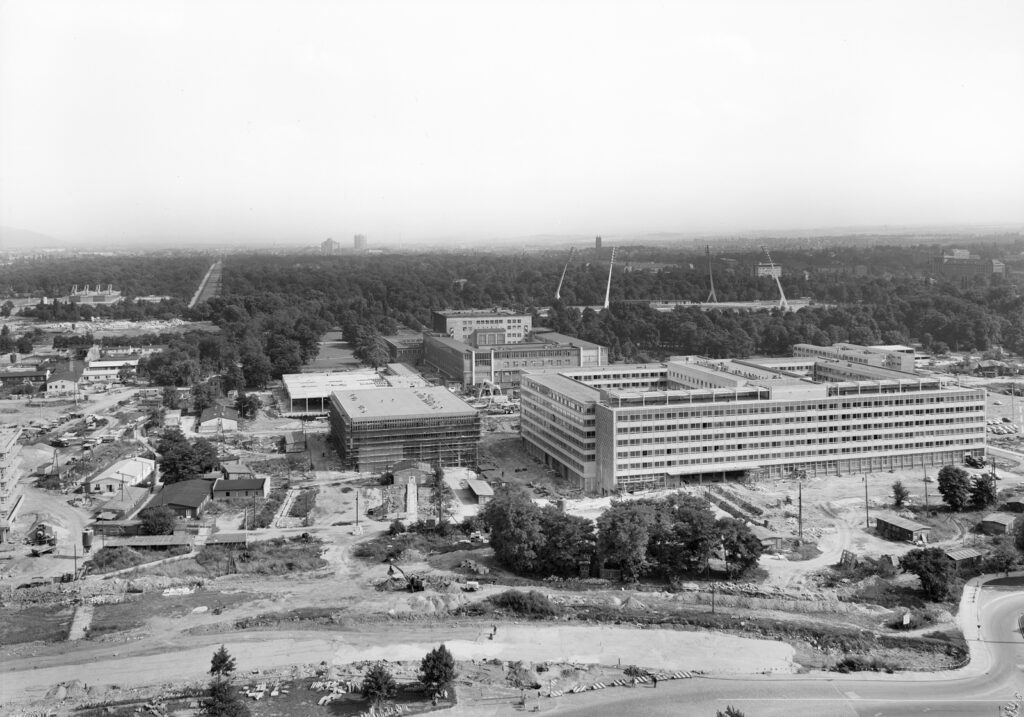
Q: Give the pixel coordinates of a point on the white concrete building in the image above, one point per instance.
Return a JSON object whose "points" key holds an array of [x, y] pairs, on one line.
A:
{"points": [[619, 427]]}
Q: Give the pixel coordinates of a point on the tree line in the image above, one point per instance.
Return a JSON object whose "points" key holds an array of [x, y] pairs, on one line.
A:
{"points": [[669, 538]]}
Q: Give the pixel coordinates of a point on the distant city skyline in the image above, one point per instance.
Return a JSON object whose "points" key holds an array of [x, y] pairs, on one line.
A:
{"points": [[228, 122]]}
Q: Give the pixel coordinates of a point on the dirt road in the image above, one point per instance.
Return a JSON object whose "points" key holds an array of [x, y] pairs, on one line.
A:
{"points": [[186, 657]]}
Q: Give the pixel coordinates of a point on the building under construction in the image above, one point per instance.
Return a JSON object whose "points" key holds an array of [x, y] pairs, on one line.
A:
{"points": [[375, 428]]}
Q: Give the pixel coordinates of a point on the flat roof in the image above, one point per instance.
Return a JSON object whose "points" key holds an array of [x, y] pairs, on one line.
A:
{"points": [[227, 539], [321, 385], [869, 372], [565, 385], [479, 312], [479, 487], [375, 403], [557, 338], [149, 541]]}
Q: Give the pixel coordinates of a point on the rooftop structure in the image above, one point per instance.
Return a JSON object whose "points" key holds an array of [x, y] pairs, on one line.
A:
{"points": [[461, 323], [628, 426], [123, 473], [375, 428], [899, 358], [309, 393], [500, 363]]}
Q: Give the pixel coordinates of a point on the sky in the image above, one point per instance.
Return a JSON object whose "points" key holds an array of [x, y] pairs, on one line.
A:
{"points": [[257, 121]]}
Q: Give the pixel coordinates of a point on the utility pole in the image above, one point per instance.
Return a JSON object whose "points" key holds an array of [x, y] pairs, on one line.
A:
{"points": [[867, 518], [924, 469]]}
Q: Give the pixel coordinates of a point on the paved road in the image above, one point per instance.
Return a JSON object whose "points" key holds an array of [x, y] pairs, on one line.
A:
{"points": [[991, 679]]}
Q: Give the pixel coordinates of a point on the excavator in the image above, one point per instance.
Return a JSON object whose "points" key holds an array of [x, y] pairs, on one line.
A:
{"points": [[413, 583]]}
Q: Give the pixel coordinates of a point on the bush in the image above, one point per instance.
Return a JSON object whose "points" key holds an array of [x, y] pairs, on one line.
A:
{"points": [[397, 527], [532, 603], [860, 663]]}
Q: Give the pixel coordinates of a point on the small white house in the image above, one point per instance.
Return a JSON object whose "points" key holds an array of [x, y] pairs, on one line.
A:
{"points": [[128, 472]]}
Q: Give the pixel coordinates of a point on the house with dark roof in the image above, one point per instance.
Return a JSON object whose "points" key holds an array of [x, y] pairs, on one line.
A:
{"points": [[998, 523], [294, 441], [235, 470], [241, 488], [187, 498], [217, 419], [964, 558], [897, 528], [64, 381]]}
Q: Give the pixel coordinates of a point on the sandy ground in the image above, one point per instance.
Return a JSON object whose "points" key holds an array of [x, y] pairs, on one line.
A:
{"points": [[133, 664], [655, 649]]}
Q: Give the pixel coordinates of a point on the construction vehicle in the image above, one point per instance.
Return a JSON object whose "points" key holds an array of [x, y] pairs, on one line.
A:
{"points": [[413, 583], [42, 534]]}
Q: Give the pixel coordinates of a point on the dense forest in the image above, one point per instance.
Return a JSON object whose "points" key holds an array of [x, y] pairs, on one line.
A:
{"points": [[274, 308]]}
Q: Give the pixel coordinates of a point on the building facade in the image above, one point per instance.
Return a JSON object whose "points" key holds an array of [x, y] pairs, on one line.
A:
{"points": [[10, 477], [373, 429], [460, 324], [626, 427], [501, 364]]}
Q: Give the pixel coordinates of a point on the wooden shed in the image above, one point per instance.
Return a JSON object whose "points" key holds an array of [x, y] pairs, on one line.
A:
{"points": [[965, 558], [998, 523], [896, 528]]}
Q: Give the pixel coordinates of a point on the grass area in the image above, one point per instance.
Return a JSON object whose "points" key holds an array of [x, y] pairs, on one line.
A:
{"points": [[108, 560], [31, 624], [391, 547], [135, 612], [304, 503], [270, 505], [279, 556]]}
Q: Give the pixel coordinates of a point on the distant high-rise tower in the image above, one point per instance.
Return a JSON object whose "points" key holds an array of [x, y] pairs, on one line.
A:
{"points": [[360, 242], [597, 242], [329, 246]]}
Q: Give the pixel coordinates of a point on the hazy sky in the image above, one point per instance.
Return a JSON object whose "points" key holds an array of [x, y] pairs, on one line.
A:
{"points": [[295, 121]]}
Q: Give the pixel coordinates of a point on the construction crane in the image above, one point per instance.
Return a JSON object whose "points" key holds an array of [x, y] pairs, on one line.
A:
{"points": [[783, 304], [558, 291], [712, 299], [608, 290]]}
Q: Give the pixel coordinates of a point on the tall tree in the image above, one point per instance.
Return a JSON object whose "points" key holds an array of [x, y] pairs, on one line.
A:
{"points": [[158, 520], [379, 684], [623, 532], [900, 494], [933, 569], [741, 546], [222, 664], [568, 542], [442, 496], [983, 491], [437, 671], [513, 521], [955, 487]]}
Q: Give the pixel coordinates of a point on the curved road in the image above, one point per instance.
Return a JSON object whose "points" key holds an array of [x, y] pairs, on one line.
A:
{"points": [[990, 680]]}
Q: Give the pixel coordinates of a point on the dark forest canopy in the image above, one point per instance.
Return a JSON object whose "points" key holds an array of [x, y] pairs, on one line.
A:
{"points": [[275, 307]]}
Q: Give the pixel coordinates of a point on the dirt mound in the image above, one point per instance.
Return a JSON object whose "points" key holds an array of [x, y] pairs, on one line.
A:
{"points": [[71, 690], [632, 603]]}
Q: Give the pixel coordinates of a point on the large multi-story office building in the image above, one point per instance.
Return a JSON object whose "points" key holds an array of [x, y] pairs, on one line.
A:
{"points": [[898, 358], [622, 427], [500, 364], [460, 324], [375, 428]]}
